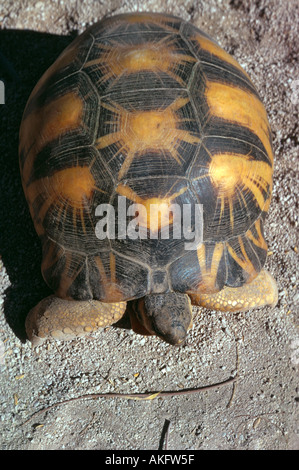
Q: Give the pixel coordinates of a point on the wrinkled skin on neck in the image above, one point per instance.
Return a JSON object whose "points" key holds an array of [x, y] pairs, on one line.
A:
{"points": [[167, 315]]}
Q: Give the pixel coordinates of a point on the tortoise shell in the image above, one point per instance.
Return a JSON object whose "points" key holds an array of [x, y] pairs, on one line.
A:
{"points": [[146, 109]]}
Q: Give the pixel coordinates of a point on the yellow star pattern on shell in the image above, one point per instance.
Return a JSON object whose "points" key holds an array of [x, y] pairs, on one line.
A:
{"points": [[138, 131], [118, 59]]}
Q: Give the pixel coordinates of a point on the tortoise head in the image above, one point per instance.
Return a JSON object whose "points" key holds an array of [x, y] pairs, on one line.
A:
{"points": [[167, 315]]}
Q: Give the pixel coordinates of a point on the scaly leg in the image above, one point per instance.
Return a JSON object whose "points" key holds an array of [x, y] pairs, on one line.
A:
{"points": [[67, 319], [258, 293]]}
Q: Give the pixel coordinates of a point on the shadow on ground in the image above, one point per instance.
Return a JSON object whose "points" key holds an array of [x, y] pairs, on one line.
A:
{"points": [[24, 57]]}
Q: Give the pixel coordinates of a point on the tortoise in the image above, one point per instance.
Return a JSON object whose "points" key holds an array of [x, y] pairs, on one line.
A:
{"points": [[146, 110]]}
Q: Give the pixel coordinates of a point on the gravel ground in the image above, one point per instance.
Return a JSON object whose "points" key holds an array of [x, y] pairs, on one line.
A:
{"points": [[260, 349]]}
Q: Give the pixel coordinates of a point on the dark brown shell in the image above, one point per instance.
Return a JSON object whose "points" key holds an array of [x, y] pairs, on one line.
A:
{"points": [[147, 107]]}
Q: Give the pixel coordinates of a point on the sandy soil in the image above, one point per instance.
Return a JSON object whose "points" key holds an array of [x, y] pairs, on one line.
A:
{"points": [[259, 348]]}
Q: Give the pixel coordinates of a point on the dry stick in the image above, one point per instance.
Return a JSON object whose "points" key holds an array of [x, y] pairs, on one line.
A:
{"points": [[237, 369], [135, 396], [164, 436]]}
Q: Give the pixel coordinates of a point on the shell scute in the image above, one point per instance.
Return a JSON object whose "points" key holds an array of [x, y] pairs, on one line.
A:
{"points": [[149, 108]]}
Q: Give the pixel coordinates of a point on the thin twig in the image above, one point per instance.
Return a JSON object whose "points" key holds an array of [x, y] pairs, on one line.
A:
{"points": [[237, 373], [88, 425], [134, 396], [164, 435]]}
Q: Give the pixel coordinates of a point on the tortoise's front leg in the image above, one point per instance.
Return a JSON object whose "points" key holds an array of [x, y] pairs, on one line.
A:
{"points": [[258, 293], [66, 319]]}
